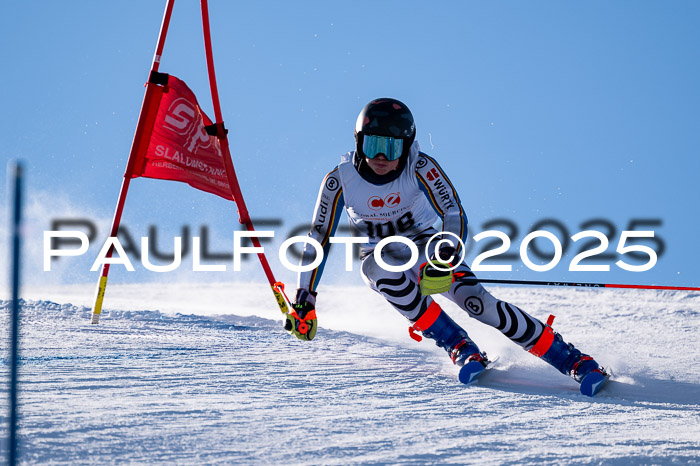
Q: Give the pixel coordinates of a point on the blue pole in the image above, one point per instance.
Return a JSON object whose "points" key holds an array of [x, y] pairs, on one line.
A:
{"points": [[16, 173]]}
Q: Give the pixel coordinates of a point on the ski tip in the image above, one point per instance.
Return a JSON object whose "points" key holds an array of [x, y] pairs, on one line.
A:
{"points": [[593, 382]]}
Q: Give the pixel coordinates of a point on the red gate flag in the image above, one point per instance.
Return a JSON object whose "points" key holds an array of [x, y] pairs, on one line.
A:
{"points": [[176, 145]]}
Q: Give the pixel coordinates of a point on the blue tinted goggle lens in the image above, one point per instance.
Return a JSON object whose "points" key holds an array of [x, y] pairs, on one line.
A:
{"points": [[392, 148]]}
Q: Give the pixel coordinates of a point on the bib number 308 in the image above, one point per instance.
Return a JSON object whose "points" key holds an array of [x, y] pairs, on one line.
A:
{"points": [[390, 228]]}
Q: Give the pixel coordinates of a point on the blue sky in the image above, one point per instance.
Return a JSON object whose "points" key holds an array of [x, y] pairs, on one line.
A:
{"points": [[537, 110]]}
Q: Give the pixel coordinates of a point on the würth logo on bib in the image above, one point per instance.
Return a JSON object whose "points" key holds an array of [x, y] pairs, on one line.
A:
{"points": [[390, 200], [432, 175]]}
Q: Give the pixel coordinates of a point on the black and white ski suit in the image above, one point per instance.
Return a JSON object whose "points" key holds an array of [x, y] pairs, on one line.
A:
{"points": [[411, 205]]}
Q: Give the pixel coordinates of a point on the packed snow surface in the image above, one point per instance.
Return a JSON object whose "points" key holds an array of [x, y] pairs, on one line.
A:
{"points": [[190, 374]]}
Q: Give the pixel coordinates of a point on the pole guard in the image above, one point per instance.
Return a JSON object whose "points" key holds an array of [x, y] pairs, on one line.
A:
{"points": [[282, 300], [99, 296]]}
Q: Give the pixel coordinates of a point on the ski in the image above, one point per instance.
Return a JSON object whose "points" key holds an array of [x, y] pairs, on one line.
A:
{"points": [[590, 385], [593, 382], [473, 369]]}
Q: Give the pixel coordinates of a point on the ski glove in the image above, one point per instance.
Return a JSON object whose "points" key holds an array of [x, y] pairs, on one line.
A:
{"points": [[432, 280], [301, 321]]}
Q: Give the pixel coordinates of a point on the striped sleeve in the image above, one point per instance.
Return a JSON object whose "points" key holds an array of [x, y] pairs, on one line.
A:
{"points": [[442, 195], [329, 207]]}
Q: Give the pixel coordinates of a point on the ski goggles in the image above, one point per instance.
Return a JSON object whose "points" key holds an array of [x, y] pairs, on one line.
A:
{"points": [[372, 146]]}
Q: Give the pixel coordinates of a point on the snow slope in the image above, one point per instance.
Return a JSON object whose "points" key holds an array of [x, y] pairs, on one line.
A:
{"points": [[207, 375]]}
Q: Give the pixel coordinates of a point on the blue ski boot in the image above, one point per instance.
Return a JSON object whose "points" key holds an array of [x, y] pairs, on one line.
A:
{"points": [[569, 361], [437, 325]]}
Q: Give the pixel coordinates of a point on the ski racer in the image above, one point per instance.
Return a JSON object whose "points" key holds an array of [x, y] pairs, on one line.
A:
{"points": [[388, 187]]}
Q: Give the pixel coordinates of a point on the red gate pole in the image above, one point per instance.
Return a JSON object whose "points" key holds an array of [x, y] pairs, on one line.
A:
{"points": [[243, 216], [145, 121]]}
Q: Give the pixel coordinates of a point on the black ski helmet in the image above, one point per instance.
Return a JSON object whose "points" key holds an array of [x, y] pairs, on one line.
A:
{"points": [[385, 117]]}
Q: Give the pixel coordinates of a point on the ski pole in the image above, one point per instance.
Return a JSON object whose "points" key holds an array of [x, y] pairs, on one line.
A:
{"points": [[581, 284]]}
